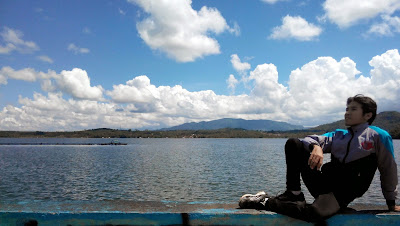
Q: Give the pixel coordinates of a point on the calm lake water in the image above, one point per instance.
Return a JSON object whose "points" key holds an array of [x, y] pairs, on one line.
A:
{"points": [[204, 170]]}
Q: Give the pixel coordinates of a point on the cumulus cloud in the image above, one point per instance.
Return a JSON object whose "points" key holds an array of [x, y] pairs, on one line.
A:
{"points": [[315, 94], [296, 28], [242, 68], [322, 86], [178, 30], [347, 13], [138, 90], [77, 84], [77, 50], [385, 77], [13, 42], [53, 112], [266, 85], [26, 74]]}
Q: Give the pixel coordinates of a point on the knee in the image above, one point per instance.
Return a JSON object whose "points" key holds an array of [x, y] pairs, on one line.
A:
{"points": [[293, 144], [324, 207]]}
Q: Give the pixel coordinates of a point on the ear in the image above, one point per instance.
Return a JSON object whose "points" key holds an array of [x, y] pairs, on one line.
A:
{"points": [[367, 116]]}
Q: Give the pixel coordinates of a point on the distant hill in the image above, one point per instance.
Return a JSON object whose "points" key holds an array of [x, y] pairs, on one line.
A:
{"points": [[387, 120], [262, 125], [223, 128]]}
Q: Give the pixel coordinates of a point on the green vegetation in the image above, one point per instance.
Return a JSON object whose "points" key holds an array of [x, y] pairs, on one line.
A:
{"points": [[105, 133], [389, 121], [220, 133]]}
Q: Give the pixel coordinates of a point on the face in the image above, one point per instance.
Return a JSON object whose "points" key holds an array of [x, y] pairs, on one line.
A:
{"points": [[354, 114]]}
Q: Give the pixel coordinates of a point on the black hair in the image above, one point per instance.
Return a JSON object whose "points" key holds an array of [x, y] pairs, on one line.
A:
{"points": [[367, 103]]}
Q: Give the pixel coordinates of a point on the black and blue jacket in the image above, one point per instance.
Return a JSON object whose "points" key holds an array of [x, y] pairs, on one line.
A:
{"points": [[358, 151]]}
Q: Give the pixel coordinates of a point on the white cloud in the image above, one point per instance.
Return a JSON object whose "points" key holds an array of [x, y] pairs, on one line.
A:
{"points": [[272, 1], [86, 30], [385, 76], [27, 74], [238, 65], [45, 59], [8, 48], [387, 27], [235, 29], [76, 50], [346, 13], [319, 88], [77, 84], [316, 94], [297, 28], [380, 29], [183, 33], [138, 90], [266, 85], [232, 82], [53, 112], [3, 79], [121, 12], [13, 42]]}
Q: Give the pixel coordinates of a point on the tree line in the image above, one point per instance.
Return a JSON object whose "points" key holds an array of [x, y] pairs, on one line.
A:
{"points": [[219, 133]]}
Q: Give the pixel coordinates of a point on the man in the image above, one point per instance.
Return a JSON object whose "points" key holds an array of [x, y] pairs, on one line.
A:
{"points": [[356, 153]]}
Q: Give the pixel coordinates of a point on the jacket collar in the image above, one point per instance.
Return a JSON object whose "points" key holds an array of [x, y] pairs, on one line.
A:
{"points": [[359, 127]]}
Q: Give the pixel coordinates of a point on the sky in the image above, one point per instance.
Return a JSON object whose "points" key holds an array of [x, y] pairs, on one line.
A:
{"points": [[151, 64]]}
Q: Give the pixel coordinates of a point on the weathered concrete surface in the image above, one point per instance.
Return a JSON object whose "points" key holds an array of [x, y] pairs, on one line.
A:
{"points": [[170, 213]]}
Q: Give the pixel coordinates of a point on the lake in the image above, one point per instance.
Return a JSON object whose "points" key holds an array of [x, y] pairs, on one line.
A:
{"points": [[189, 170]]}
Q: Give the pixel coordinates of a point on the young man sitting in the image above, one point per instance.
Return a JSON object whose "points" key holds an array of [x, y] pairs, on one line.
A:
{"points": [[356, 153]]}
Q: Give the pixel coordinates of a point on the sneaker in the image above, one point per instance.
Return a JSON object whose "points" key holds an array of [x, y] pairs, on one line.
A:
{"points": [[288, 196], [257, 201]]}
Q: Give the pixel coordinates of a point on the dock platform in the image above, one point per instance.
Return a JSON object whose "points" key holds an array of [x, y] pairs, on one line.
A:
{"points": [[171, 213]]}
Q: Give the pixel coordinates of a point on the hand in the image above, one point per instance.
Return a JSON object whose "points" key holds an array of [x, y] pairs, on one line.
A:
{"points": [[316, 158], [394, 208]]}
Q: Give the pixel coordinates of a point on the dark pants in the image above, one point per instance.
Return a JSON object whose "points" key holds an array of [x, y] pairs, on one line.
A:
{"points": [[297, 164], [334, 187]]}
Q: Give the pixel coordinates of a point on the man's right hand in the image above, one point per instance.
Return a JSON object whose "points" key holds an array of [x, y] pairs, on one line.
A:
{"points": [[316, 158]]}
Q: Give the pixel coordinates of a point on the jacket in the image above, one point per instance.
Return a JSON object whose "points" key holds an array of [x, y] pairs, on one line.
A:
{"points": [[360, 143]]}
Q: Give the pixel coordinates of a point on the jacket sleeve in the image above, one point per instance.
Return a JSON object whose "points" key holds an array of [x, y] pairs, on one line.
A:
{"points": [[387, 165], [324, 141]]}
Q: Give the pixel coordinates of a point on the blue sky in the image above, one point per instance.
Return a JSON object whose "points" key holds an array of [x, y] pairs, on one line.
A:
{"points": [[148, 64]]}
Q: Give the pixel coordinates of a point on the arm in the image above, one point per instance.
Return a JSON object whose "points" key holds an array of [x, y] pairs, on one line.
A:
{"points": [[318, 145], [324, 141], [388, 169], [316, 158]]}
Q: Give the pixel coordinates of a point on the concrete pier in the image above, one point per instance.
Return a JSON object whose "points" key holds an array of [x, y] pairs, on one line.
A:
{"points": [[171, 213]]}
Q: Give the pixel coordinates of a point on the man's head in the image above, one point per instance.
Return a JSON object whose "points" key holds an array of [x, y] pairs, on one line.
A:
{"points": [[360, 109]]}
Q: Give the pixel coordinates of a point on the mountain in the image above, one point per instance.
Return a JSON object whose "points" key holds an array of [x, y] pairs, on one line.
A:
{"points": [[387, 120], [263, 125]]}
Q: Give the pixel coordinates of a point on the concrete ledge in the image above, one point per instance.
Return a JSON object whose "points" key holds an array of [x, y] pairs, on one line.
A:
{"points": [[170, 213]]}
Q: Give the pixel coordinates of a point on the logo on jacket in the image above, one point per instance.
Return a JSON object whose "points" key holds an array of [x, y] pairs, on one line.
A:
{"points": [[367, 145]]}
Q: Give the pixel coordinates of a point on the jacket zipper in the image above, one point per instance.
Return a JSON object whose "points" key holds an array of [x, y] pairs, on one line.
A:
{"points": [[348, 146]]}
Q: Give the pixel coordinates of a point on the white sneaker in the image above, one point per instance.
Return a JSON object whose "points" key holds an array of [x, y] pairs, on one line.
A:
{"points": [[257, 201]]}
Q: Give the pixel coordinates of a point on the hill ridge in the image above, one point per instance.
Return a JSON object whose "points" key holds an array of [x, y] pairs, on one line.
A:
{"points": [[237, 123]]}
